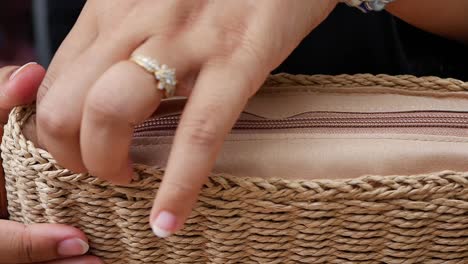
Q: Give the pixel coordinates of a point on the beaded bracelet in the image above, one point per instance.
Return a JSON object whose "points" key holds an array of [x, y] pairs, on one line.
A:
{"points": [[367, 5]]}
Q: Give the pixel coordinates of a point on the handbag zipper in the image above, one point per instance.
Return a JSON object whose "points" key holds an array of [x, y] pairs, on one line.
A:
{"points": [[416, 119]]}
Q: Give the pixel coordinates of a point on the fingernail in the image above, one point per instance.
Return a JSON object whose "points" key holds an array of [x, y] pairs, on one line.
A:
{"points": [[165, 222], [72, 247], [21, 69]]}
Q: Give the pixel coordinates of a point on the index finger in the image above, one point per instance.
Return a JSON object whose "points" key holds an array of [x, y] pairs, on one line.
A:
{"points": [[219, 96]]}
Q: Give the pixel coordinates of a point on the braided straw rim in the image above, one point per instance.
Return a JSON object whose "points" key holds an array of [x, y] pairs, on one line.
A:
{"points": [[371, 219], [406, 82]]}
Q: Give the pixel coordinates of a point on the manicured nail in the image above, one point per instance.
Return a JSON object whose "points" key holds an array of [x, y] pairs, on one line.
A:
{"points": [[21, 69], [165, 222], [72, 247]]}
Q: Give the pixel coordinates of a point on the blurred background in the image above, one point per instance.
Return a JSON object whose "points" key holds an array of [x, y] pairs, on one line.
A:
{"points": [[348, 41], [32, 30], [16, 33]]}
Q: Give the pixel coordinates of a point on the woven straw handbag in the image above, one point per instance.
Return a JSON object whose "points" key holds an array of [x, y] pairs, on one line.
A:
{"points": [[318, 169]]}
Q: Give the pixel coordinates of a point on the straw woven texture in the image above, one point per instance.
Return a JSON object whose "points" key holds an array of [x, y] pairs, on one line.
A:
{"points": [[372, 219]]}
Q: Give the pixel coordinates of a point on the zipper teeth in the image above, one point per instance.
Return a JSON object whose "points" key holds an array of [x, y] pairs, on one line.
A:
{"points": [[438, 119], [262, 124], [363, 116]]}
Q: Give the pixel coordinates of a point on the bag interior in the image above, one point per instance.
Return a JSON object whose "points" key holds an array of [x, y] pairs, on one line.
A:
{"points": [[337, 150]]}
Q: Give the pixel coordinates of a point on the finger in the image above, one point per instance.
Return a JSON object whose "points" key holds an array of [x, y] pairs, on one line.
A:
{"points": [[60, 111], [18, 86], [175, 54], [123, 97], [77, 260], [80, 38], [39, 243], [5, 75], [219, 96]]}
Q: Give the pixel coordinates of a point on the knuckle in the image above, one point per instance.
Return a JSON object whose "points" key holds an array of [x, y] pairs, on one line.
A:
{"points": [[232, 30], [102, 107], [234, 37], [237, 40], [200, 131], [54, 123], [255, 54], [46, 84]]}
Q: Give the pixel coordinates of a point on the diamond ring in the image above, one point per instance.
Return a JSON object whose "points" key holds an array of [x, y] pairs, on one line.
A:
{"points": [[165, 76]]}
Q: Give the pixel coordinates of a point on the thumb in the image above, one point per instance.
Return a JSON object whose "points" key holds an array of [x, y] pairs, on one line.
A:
{"points": [[40, 242], [18, 86]]}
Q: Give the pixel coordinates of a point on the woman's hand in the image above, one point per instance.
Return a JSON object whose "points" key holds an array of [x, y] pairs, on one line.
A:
{"points": [[222, 50], [447, 18], [41, 243]]}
